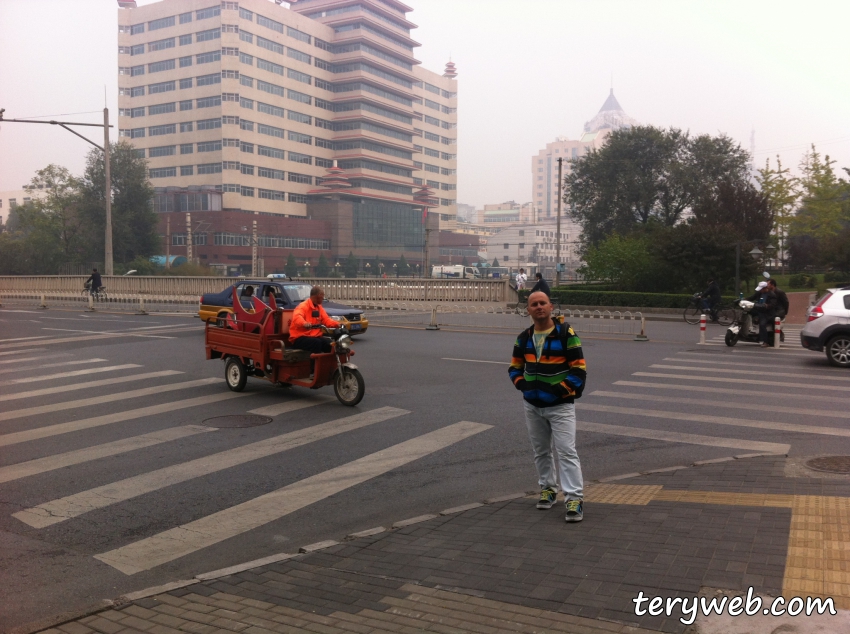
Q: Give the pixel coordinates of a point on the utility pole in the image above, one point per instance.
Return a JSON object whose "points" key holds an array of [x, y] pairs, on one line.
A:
{"points": [[107, 195], [189, 238], [558, 227], [168, 242], [427, 251], [254, 272]]}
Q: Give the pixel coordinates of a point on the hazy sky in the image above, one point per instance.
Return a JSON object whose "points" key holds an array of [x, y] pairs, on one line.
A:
{"points": [[528, 71]]}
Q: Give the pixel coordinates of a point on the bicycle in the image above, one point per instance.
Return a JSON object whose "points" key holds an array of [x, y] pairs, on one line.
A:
{"points": [[99, 295], [724, 313]]}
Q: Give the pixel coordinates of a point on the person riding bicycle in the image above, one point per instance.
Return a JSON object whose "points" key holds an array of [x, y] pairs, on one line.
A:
{"points": [[711, 298], [95, 281]]}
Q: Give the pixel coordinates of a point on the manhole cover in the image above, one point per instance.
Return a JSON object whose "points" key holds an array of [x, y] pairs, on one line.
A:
{"points": [[237, 420], [831, 464]]}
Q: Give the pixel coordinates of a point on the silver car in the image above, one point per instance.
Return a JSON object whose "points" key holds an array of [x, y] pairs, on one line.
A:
{"points": [[828, 327]]}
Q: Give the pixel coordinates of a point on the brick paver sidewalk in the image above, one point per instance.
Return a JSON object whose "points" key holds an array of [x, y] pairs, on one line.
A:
{"points": [[506, 567]]}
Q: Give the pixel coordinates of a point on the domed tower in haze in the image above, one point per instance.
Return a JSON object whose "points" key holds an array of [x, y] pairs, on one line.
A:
{"points": [[611, 116]]}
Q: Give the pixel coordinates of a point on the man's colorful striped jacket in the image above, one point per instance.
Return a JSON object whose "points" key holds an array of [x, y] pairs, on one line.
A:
{"points": [[558, 377]]}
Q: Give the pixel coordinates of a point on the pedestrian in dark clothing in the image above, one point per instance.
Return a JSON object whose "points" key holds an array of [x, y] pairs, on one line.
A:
{"points": [[95, 281], [765, 309], [541, 285], [782, 303], [711, 298]]}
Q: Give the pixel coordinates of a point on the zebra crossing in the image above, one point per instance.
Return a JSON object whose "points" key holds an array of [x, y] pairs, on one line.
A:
{"points": [[51, 414]]}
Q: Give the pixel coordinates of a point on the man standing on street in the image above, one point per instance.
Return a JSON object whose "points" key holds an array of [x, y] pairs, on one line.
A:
{"points": [[521, 278], [548, 368], [96, 282]]}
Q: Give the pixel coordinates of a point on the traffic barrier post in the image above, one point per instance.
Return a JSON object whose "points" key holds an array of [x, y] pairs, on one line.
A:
{"points": [[433, 325], [777, 332], [642, 336], [702, 330], [43, 303]]}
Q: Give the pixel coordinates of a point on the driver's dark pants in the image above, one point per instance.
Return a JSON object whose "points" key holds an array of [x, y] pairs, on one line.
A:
{"points": [[710, 306], [312, 344], [765, 320]]}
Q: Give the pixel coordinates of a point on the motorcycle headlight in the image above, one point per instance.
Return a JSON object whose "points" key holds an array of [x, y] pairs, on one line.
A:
{"points": [[344, 342]]}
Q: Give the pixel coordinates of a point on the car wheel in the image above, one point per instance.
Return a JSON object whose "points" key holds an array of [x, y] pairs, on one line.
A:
{"points": [[838, 351], [235, 374]]}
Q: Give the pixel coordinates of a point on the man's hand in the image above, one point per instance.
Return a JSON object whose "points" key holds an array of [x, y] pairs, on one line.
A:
{"points": [[521, 385]]}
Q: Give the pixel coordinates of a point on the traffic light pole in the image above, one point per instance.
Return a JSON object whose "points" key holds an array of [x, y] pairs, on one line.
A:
{"points": [[107, 256]]}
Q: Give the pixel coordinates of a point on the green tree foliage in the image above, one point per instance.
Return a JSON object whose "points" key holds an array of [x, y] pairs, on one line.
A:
{"points": [[738, 206], [351, 265], [824, 208], [403, 267], [626, 261], [291, 266], [780, 188], [323, 268], [59, 205], [134, 223], [32, 245], [647, 175]]}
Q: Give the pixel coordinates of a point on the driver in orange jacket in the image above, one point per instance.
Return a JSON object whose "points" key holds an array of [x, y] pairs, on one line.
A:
{"points": [[305, 328]]}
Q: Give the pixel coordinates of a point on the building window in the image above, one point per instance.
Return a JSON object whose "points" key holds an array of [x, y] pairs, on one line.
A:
{"points": [[300, 138], [186, 148], [320, 162], [138, 49], [230, 120], [162, 172], [230, 165], [230, 50], [185, 39], [185, 83], [246, 147], [209, 168], [187, 170], [300, 178], [246, 81], [165, 150], [209, 146], [137, 112], [298, 198], [269, 45], [301, 57], [205, 36], [209, 12], [246, 59], [186, 105], [209, 124], [161, 23], [208, 58], [299, 117], [161, 45], [299, 76], [246, 103], [266, 172], [270, 88], [185, 61], [263, 150], [208, 102], [248, 191], [299, 96], [136, 29], [300, 158], [230, 142], [248, 125], [185, 17], [229, 188], [298, 35], [186, 126], [247, 169], [207, 80], [269, 24], [162, 108], [270, 130], [165, 86], [246, 37], [160, 130], [270, 66]]}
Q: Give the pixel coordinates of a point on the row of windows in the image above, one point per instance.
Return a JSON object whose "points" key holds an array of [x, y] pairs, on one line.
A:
{"points": [[445, 125], [217, 168], [430, 136], [364, 9], [227, 239], [434, 169], [359, 46], [265, 193], [361, 105], [435, 153], [168, 86], [274, 26], [375, 32], [154, 25], [377, 167]]}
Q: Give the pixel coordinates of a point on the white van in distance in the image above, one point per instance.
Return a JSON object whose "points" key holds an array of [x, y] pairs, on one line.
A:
{"points": [[455, 270]]}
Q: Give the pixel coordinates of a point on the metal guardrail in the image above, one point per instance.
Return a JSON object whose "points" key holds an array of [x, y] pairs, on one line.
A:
{"points": [[343, 289], [596, 322]]}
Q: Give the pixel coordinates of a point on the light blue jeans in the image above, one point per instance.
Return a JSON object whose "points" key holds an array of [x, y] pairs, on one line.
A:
{"points": [[557, 423]]}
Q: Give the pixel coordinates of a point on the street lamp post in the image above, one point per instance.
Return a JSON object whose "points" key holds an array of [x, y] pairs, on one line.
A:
{"points": [[756, 254], [336, 268], [307, 267], [395, 269], [368, 268], [381, 269], [417, 271]]}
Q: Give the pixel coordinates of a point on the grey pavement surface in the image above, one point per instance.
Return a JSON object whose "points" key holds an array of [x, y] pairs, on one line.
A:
{"points": [[105, 460]]}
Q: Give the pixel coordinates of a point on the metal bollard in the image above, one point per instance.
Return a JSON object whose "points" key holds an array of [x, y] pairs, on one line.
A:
{"points": [[642, 336], [142, 310], [433, 325], [91, 304], [777, 332], [43, 303], [702, 330]]}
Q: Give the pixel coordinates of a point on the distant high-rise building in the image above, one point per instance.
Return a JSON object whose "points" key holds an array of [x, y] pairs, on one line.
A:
{"points": [[244, 106], [544, 165]]}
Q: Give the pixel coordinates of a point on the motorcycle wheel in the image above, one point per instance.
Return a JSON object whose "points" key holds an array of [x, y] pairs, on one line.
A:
{"points": [[692, 315], [349, 386], [235, 374], [731, 338]]}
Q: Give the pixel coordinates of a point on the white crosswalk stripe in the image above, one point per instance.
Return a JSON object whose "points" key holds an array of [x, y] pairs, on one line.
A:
{"points": [[716, 379], [292, 406], [719, 420], [63, 364], [760, 371], [678, 387], [71, 506], [212, 529], [22, 360], [5, 354], [108, 419], [88, 384], [105, 398], [64, 375], [681, 437], [715, 403], [80, 456]]}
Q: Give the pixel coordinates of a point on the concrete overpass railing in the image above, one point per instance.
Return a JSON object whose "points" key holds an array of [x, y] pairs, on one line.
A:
{"points": [[342, 289]]}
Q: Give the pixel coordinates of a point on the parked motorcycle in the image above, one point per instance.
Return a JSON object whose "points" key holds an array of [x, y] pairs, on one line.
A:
{"points": [[745, 328]]}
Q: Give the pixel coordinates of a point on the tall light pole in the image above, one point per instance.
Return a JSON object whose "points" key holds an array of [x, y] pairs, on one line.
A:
{"points": [[107, 256], [558, 227]]}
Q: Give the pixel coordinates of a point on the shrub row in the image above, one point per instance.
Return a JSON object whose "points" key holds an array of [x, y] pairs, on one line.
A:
{"points": [[802, 280]]}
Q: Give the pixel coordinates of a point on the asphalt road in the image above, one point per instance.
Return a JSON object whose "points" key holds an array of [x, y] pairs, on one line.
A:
{"points": [[104, 488]]}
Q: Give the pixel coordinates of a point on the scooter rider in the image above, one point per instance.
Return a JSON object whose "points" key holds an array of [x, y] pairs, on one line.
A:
{"points": [[765, 307]]}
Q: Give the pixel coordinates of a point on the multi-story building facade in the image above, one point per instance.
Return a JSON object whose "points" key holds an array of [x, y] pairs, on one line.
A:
{"points": [[544, 165], [243, 106]]}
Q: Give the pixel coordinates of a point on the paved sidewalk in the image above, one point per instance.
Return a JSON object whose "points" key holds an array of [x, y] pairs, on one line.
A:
{"points": [[764, 522]]}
